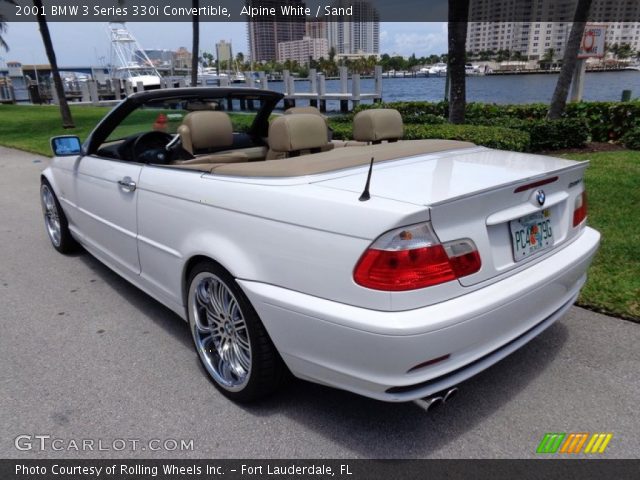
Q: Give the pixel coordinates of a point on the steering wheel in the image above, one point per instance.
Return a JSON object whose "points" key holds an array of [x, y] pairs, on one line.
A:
{"points": [[154, 147]]}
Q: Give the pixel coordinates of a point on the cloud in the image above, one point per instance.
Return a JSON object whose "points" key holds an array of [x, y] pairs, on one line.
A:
{"points": [[423, 39], [408, 43]]}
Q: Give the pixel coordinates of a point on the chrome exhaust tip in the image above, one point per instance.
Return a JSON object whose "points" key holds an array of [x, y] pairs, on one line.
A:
{"points": [[452, 392], [437, 400], [431, 403]]}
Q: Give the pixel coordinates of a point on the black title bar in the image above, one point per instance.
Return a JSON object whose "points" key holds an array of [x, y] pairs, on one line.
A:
{"points": [[318, 469], [299, 10]]}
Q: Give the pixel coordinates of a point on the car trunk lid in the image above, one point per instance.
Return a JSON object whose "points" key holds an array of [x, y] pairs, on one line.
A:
{"points": [[495, 198]]}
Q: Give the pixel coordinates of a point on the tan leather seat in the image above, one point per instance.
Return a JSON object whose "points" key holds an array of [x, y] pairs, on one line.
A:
{"points": [[293, 135], [205, 130], [314, 111], [378, 124], [309, 109]]}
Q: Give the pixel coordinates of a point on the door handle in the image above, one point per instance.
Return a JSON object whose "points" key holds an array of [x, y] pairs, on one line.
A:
{"points": [[127, 184]]}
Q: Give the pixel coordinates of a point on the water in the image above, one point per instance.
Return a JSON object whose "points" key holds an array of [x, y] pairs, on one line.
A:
{"points": [[606, 86]]}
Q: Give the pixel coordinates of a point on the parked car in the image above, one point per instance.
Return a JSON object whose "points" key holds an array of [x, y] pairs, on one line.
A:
{"points": [[393, 269]]}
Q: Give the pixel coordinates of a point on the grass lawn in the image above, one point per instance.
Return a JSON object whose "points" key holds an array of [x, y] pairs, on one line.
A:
{"points": [[613, 185], [613, 194], [29, 127]]}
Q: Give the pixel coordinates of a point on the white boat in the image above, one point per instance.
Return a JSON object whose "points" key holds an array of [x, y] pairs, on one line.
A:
{"points": [[470, 69], [128, 60], [438, 69]]}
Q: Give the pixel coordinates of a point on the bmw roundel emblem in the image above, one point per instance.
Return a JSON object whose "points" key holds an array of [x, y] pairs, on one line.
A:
{"points": [[540, 197]]}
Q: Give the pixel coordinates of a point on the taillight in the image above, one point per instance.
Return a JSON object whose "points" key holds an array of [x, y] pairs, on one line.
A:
{"points": [[412, 257], [580, 209]]}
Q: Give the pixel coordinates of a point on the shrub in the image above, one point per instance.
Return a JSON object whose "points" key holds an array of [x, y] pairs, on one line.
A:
{"points": [[631, 139], [557, 134], [341, 130], [605, 120], [493, 137], [547, 134]]}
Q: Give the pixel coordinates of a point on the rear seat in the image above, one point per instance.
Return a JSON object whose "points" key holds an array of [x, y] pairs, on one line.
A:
{"points": [[299, 134], [206, 130], [377, 125]]}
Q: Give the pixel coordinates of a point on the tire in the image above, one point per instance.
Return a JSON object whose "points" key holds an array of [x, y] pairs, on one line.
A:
{"points": [[230, 340], [55, 221]]}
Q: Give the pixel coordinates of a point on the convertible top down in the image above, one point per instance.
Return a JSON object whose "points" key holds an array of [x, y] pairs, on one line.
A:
{"points": [[390, 268]]}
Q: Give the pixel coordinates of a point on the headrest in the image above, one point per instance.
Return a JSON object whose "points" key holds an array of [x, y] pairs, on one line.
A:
{"points": [[298, 110], [304, 131], [377, 124], [206, 129]]}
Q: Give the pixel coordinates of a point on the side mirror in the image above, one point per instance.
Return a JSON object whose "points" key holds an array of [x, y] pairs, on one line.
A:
{"points": [[66, 146]]}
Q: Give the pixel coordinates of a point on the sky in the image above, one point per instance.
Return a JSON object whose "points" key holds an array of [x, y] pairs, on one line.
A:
{"points": [[82, 44]]}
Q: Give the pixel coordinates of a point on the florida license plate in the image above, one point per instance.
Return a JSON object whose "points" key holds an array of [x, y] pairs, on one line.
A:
{"points": [[531, 234]]}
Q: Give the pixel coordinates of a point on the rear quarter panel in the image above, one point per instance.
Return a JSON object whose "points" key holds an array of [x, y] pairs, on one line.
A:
{"points": [[291, 235]]}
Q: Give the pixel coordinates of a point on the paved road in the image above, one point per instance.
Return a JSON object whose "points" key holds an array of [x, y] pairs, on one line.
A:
{"points": [[83, 354]]}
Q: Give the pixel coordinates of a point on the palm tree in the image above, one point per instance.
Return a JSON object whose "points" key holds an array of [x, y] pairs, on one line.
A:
{"points": [[195, 47], [65, 113], [457, 37], [570, 60], [3, 28]]}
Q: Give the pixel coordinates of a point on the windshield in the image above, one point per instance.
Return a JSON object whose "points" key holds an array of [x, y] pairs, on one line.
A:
{"points": [[167, 116]]}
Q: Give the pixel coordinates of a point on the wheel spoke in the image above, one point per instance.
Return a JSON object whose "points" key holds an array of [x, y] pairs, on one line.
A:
{"points": [[243, 342], [242, 357]]}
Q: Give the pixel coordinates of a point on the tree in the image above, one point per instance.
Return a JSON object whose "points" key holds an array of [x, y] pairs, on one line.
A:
{"points": [[457, 38], [503, 55], [65, 112], [549, 53], [3, 28], [208, 56], [624, 51], [570, 60], [195, 47]]}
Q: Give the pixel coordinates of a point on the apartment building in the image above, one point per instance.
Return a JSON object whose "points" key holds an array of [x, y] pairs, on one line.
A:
{"points": [[303, 50], [496, 28]]}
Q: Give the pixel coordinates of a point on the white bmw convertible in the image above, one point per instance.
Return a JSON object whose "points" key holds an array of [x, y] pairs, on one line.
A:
{"points": [[393, 269]]}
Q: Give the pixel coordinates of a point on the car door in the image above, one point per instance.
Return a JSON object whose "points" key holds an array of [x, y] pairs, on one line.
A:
{"points": [[107, 204]]}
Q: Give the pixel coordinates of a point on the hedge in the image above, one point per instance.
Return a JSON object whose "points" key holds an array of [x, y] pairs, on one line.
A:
{"points": [[631, 139], [493, 137], [605, 120], [547, 134]]}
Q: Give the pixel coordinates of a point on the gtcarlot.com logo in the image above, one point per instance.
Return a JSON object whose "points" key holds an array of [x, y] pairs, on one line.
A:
{"points": [[47, 442], [574, 442]]}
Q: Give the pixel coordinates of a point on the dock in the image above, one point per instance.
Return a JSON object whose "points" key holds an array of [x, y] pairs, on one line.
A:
{"points": [[317, 96]]}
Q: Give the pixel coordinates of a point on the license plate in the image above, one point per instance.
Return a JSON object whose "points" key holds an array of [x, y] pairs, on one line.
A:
{"points": [[531, 234]]}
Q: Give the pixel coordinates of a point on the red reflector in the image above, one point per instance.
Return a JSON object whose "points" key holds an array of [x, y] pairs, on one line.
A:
{"points": [[429, 362], [529, 186], [398, 270], [580, 213], [465, 264]]}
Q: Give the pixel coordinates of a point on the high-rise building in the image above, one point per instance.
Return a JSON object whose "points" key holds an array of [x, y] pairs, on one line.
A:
{"points": [[264, 35], [358, 34], [533, 35], [224, 53], [316, 28], [303, 50]]}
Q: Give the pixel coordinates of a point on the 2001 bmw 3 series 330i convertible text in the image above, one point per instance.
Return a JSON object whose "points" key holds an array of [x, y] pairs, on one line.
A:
{"points": [[393, 269]]}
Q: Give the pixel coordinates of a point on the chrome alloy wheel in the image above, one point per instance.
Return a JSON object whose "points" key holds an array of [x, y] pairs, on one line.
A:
{"points": [[220, 331], [51, 215]]}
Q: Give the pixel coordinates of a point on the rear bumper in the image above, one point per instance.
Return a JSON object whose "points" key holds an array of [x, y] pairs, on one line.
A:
{"points": [[371, 352]]}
